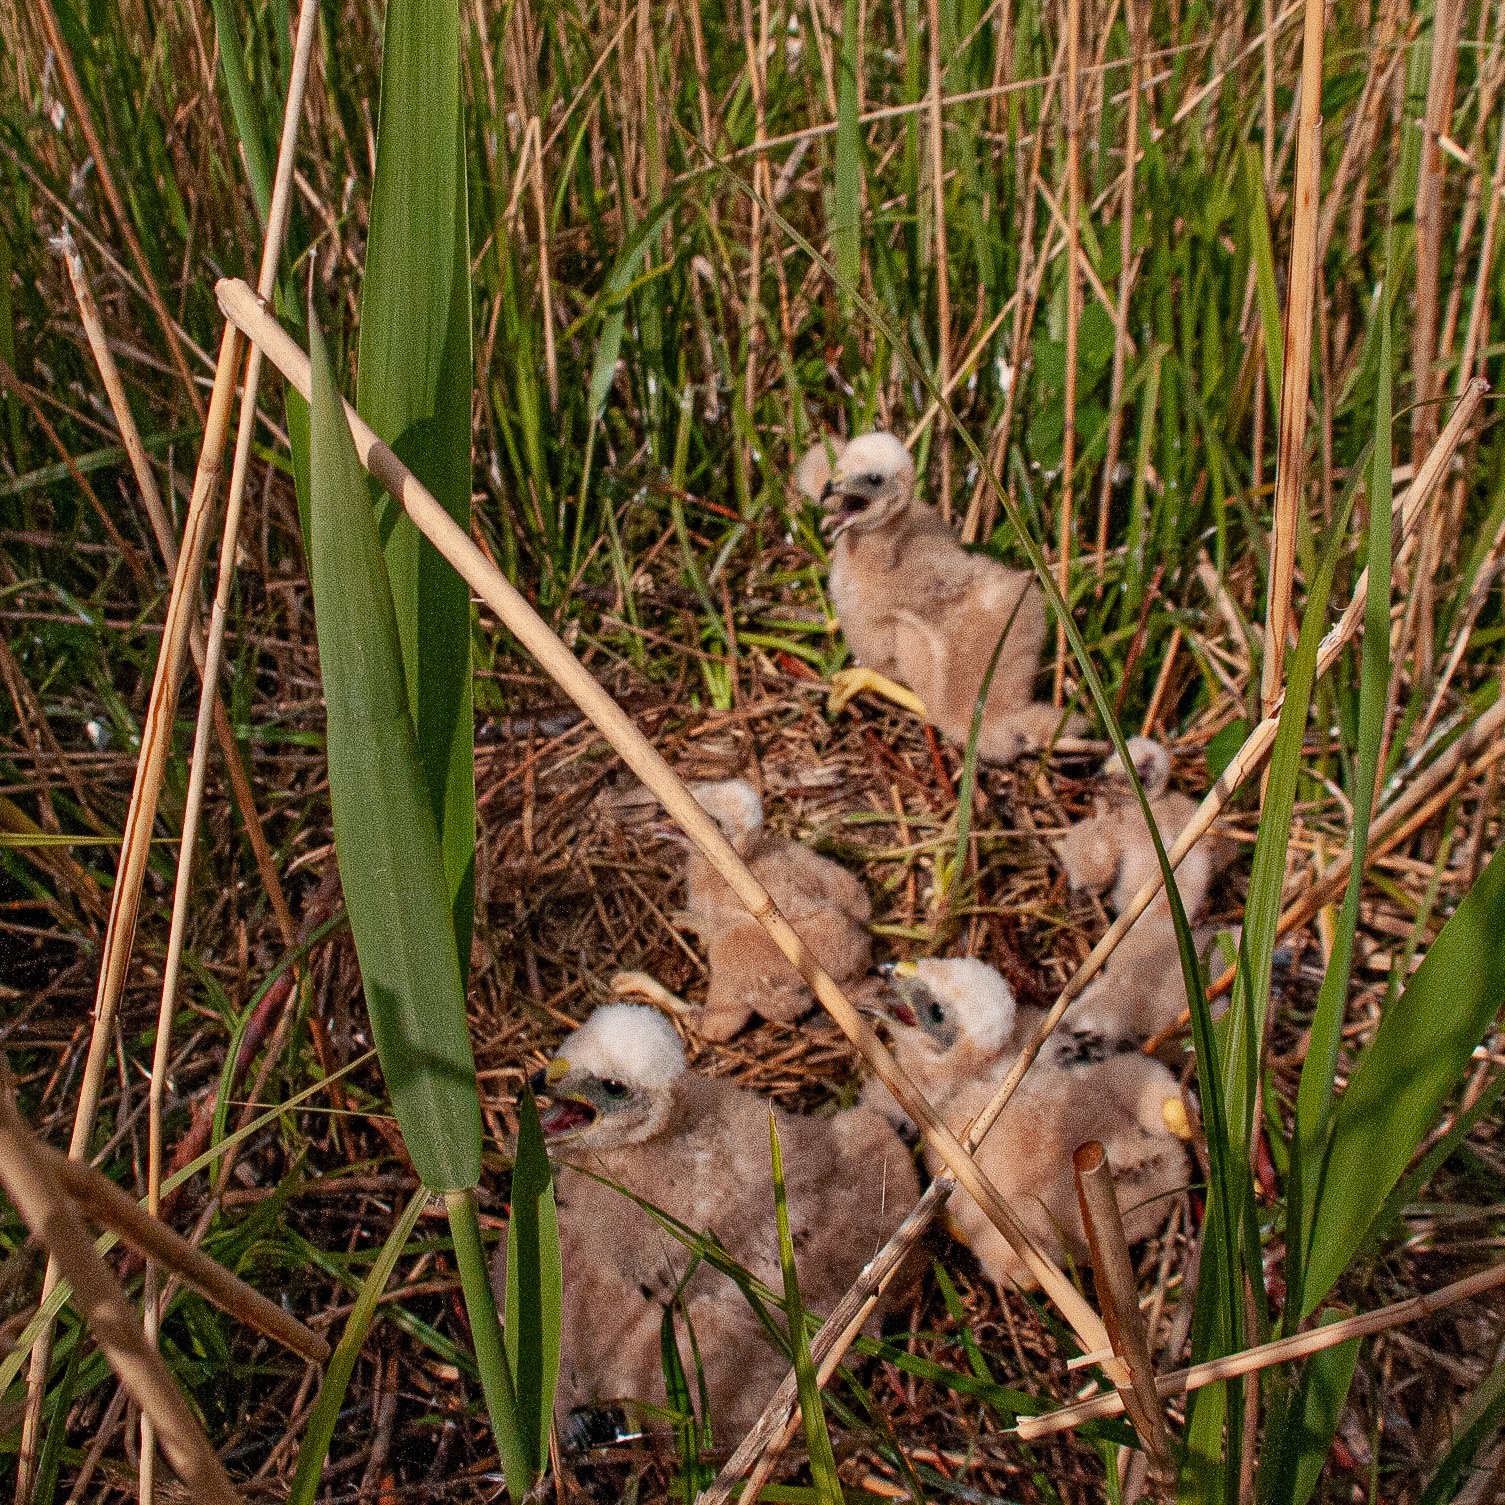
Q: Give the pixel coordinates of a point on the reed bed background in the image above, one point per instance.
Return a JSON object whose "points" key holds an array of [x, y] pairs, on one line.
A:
{"points": [[654, 341]]}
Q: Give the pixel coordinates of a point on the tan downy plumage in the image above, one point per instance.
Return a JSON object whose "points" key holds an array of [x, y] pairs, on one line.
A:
{"points": [[916, 607], [956, 1031], [627, 1109], [826, 905], [1141, 990]]}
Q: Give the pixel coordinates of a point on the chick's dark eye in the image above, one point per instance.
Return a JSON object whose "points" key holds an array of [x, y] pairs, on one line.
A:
{"points": [[937, 1013], [613, 1088], [874, 479]]}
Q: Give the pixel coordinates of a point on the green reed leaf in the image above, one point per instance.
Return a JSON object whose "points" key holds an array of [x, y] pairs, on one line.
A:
{"points": [[385, 838], [413, 388], [535, 1285], [1417, 1057]]}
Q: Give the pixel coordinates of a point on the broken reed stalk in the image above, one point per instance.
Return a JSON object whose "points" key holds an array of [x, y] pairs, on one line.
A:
{"points": [[852, 1310], [1118, 1295], [241, 306], [1296, 365], [1072, 108], [1282, 1351], [1126, 266], [156, 738], [161, 526], [271, 255], [99, 1199], [105, 1308], [942, 265]]}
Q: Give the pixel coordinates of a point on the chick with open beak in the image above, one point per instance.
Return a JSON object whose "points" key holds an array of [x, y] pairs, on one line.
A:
{"points": [[957, 1030], [627, 1112], [922, 616]]}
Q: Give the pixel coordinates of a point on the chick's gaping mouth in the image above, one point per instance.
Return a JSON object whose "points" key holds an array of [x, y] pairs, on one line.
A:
{"points": [[846, 511], [565, 1115]]}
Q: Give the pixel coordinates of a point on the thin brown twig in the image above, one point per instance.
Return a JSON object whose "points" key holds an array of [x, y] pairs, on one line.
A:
{"points": [[104, 1306]]}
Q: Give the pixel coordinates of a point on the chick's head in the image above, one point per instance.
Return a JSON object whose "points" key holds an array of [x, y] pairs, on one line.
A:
{"points": [[732, 803], [940, 1006], [871, 483], [612, 1080]]}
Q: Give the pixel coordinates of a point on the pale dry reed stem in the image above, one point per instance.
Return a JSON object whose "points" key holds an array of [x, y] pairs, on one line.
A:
{"points": [[853, 1308], [241, 306], [1282, 1351], [271, 255], [1032, 273], [1132, 1373], [105, 1308], [1465, 626], [156, 739], [161, 525], [1296, 364], [1072, 109], [541, 210]]}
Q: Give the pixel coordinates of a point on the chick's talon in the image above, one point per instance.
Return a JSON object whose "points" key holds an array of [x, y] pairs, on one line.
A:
{"points": [[847, 683], [1173, 1111]]}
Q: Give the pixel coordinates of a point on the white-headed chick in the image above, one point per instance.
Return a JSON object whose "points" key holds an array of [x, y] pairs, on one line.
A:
{"points": [[957, 1031], [916, 607], [827, 906], [627, 1109]]}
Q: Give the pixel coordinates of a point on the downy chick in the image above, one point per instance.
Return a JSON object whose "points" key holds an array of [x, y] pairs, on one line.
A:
{"points": [[945, 1019], [826, 905], [626, 1108], [1141, 990], [916, 607]]}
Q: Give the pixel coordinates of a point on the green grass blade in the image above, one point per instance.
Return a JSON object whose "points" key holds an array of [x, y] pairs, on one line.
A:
{"points": [[248, 122], [45, 1489], [1314, 1099], [614, 301], [812, 1414], [1299, 1430], [1264, 272], [413, 388], [535, 1286], [1245, 1020], [846, 218], [490, 1348], [1482, 1414], [1419, 1053], [385, 839], [326, 1412]]}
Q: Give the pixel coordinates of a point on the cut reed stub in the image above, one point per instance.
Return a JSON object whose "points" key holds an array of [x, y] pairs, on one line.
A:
{"points": [[1130, 1368]]}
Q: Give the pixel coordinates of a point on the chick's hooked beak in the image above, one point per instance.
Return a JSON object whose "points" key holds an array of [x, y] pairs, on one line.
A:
{"points": [[565, 1112], [894, 1001], [843, 501]]}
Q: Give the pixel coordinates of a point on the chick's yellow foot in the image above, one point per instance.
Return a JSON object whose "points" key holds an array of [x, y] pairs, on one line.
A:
{"points": [[846, 683]]}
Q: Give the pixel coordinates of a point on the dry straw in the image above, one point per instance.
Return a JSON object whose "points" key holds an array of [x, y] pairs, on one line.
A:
{"points": [[99, 1299], [1296, 362], [1282, 1351]]}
